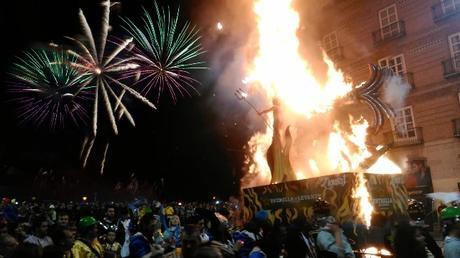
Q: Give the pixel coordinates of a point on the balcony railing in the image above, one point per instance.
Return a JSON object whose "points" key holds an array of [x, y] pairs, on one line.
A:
{"points": [[451, 67], [456, 127], [443, 10], [390, 32], [335, 54], [396, 139]]}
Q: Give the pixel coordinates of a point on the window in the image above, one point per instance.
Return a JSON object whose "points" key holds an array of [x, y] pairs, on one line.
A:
{"points": [[449, 6], [404, 124], [330, 41], [395, 63], [454, 43], [389, 25]]}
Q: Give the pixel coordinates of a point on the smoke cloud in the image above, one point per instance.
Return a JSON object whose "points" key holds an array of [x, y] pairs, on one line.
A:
{"points": [[231, 50], [395, 91]]}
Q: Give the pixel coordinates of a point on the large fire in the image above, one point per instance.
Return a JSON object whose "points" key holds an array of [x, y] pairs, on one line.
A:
{"points": [[322, 147], [280, 69]]}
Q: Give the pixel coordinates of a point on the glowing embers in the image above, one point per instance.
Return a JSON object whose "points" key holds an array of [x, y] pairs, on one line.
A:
{"points": [[374, 252]]}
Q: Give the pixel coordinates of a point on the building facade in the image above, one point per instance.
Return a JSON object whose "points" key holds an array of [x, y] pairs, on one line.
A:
{"points": [[420, 41]]}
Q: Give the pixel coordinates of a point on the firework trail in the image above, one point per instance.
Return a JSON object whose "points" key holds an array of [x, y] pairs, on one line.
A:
{"points": [[49, 91], [165, 52], [106, 148], [104, 69], [93, 61]]}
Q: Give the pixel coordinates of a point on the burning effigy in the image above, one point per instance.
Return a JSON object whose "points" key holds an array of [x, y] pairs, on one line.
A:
{"points": [[309, 138]]}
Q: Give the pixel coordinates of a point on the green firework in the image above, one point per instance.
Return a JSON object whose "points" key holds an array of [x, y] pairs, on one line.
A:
{"points": [[47, 90], [166, 52]]}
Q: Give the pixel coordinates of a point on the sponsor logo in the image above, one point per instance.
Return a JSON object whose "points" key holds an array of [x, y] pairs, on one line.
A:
{"points": [[333, 182], [295, 199], [382, 202]]}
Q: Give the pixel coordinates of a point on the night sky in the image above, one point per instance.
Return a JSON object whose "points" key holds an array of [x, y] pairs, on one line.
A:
{"points": [[196, 149]]}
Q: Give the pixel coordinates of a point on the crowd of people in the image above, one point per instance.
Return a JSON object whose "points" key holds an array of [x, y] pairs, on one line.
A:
{"points": [[143, 229]]}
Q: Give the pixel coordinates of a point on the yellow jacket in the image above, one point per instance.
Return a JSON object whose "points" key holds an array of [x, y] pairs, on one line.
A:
{"points": [[82, 250]]}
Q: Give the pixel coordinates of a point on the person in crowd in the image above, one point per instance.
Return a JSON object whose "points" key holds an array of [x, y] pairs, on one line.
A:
{"points": [[245, 240], [27, 250], [357, 233], [8, 210], [3, 226], [52, 214], [200, 223], [172, 234], [331, 239], [207, 252], [62, 219], [87, 245], [111, 246], [259, 238], [141, 243], [39, 234], [416, 210], [451, 219], [221, 241], [110, 218], [21, 231], [7, 245], [409, 241], [73, 230], [157, 237], [299, 242], [191, 240], [63, 240]]}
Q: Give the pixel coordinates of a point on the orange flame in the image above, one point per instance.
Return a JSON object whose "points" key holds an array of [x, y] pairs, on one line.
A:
{"points": [[344, 159], [374, 252], [362, 194], [280, 69], [281, 72], [258, 170]]}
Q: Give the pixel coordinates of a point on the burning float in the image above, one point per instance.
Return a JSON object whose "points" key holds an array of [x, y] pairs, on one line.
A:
{"points": [[314, 144]]}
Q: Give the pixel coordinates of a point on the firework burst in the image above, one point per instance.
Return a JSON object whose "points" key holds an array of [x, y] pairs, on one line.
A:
{"points": [[48, 90], [166, 53], [103, 69]]}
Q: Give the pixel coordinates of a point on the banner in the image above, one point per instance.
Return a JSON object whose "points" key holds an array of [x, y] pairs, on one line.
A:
{"points": [[289, 200], [417, 180]]}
